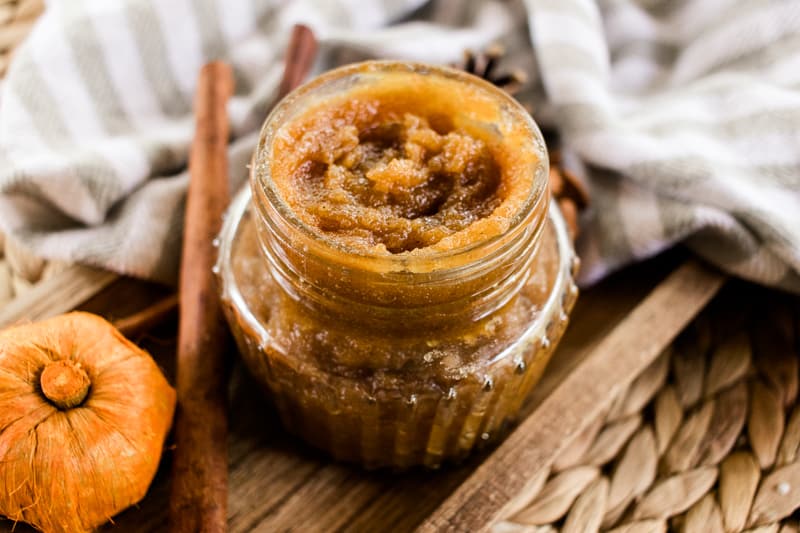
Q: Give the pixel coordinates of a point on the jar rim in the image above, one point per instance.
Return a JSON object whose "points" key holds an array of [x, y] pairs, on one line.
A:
{"points": [[265, 190]]}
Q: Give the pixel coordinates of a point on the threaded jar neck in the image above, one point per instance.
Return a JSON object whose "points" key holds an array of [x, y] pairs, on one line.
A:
{"points": [[466, 282]]}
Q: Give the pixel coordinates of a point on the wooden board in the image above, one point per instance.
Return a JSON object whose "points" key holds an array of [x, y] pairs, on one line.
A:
{"points": [[61, 293], [494, 488], [279, 484]]}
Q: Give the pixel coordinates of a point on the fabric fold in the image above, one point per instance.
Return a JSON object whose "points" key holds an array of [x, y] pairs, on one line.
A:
{"points": [[682, 117]]}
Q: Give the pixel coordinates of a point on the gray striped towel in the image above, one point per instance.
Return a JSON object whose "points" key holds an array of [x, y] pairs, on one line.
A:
{"points": [[683, 116]]}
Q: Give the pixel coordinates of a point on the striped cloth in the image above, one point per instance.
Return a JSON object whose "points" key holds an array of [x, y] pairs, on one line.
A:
{"points": [[683, 116]]}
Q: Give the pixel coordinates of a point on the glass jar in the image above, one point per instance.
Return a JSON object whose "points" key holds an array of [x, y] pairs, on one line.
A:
{"points": [[395, 359]]}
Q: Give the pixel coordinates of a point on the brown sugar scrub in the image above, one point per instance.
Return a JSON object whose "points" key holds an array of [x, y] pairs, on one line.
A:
{"points": [[396, 185], [412, 164], [398, 279]]}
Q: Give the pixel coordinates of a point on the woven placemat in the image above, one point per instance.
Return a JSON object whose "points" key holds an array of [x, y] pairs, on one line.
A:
{"points": [[19, 269], [705, 440], [16, 20]]}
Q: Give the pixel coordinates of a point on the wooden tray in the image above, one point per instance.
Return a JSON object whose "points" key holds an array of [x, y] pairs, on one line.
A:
{"points": [[279, 484]]}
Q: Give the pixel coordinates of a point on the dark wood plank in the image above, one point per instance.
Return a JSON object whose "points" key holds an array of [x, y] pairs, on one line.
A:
{"points": [[577, 400], [278, 483]]}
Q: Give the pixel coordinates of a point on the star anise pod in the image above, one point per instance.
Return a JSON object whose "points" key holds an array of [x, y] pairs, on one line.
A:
{"points": [[484, 65]]}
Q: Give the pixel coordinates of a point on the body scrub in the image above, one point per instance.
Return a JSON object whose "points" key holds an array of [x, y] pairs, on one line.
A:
{"points": [[398, 280]]}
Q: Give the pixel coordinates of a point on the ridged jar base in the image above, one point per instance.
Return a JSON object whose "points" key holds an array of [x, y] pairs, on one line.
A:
{"points": [[419, 422], [399, 428]]}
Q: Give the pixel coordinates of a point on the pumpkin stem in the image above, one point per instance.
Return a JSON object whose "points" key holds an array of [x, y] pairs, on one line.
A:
{"points": [[64, 383]]}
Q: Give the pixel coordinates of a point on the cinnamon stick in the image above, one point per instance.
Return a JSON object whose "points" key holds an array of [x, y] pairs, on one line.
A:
{"points": [[198, 500], [142, 321], [300, 55]]}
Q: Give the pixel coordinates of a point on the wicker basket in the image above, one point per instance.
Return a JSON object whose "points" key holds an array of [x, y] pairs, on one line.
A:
{"points": [[705, 440], [16, 20], [19, 269]]}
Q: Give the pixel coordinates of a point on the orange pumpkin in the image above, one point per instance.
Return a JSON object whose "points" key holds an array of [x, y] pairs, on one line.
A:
{"points": [[83, 417]]}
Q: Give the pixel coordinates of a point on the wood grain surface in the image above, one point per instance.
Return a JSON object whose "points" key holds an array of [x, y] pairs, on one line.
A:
{"points": [[279, 484], [61, 293], [577, 401]]}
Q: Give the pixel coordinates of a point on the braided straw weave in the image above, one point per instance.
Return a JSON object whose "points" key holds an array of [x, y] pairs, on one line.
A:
{"points": [[19, 269], [16, 20], [705, 440]]}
